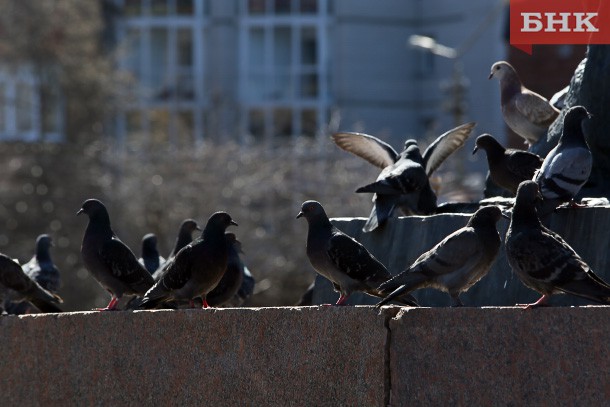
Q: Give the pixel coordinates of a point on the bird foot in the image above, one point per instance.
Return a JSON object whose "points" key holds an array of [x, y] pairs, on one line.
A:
{"points": [[574, 204], [540, 303], [105, 309]]}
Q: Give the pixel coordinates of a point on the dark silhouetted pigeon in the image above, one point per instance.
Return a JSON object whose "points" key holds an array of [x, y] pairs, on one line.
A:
{"points": [[16, 286], [341, 259], [455, 264], [542, 259], [507, 167], [196, 269], [151, 260], [403, 182], [231, 281], [567, 166], [185, 236], [108, 259], [246, 290], [527, 113]]}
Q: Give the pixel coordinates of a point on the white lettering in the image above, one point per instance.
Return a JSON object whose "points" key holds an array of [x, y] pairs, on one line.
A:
{"points": [[551, 21], [530, 24], [580, 22]]}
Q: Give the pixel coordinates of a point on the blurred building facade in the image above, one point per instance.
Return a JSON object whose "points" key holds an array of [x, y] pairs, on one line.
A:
{"points": [[270, 70], [267, 70]]}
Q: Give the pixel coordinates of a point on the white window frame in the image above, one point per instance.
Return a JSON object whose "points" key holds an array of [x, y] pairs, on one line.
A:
{"points": [[295, 21], [143, 103]]}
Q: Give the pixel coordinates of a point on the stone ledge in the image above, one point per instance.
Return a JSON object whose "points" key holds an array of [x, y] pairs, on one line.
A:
{"points": [[309, 356]]}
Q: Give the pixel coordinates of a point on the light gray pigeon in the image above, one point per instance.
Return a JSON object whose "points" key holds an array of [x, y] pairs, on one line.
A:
{"points": [[542, 259], [151, 260], [404, 179], [196, 269], [16, 286], [108, 259], [341, 259], [507, 167], [455, 264], [527, 113], [567, 166]]}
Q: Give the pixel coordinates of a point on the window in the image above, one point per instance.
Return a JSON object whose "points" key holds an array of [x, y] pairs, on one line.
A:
{"points": [[160, 40], [283, 80], [30, 108]]}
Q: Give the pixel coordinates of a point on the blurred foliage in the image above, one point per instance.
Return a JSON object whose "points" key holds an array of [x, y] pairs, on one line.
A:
{"points": [[61, 41]]}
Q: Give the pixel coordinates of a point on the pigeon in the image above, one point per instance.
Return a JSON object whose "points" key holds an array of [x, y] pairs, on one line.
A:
{"points": [[151, 260], [341, 259], [41, 267], [16, 286], [404, 179], [567, 166], [196, 269], [185, 236], [231, 281], [455, 264], [108, 259], [542, 259], [247, 288], [507, 167], [527, 113]]}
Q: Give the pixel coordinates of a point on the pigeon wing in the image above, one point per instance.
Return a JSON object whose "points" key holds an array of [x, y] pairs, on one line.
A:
{"points": [[124, 265], [355, 261], [523, 163], [370, 148], [445, 145], [535, 108]]}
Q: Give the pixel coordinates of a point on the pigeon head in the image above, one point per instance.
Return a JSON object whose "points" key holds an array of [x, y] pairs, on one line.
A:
{"points": [[486, 216], [189, 226], [572, 122], [312, 210], [94, 209], [44, 242], [219, 221], [528, 194], [149, 242], [501, 70], [487, 143], [410, 142]]}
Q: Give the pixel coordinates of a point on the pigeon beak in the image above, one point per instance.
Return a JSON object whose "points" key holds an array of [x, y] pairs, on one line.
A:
{"points": [[81, 210], [234, 223], [299, 215], [491, 75], [474, 151]]}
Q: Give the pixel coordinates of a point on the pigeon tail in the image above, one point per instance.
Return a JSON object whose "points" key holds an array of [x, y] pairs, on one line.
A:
{"points": [[390, 297], [45, 306]]}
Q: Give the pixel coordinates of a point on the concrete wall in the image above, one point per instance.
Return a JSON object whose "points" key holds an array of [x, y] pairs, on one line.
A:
{"points": [[403, 239], [315, 356]]}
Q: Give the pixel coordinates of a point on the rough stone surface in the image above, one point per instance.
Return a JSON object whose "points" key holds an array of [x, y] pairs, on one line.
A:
{"points": [[500, 357], [269, 356], [403, 239], [309, 356]]}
